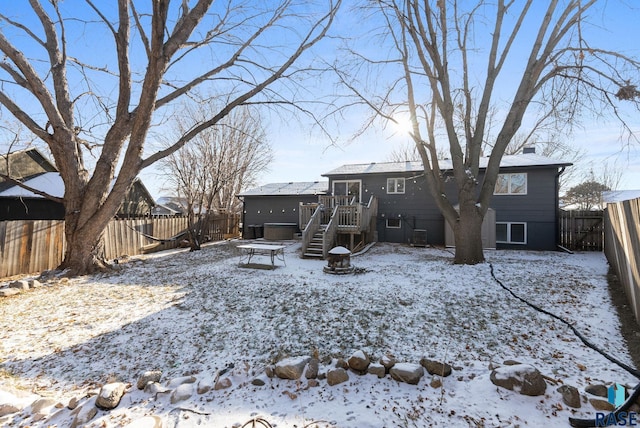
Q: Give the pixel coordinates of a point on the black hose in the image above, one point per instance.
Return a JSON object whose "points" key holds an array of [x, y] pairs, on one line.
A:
{"points": [[584, 340]]}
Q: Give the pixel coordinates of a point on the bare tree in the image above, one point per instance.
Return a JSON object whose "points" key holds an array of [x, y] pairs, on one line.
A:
{"points": [[208, 173], [451, 60], [91, 78], [586, 195]]}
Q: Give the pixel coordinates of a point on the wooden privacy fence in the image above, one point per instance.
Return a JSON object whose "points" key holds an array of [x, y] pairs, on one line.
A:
{"points": [[622, 247], [31, 246], [581, 230]]}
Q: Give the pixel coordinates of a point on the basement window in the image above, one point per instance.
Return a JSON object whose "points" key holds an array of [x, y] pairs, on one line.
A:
{"points": [[511, 233], [393, 223]]}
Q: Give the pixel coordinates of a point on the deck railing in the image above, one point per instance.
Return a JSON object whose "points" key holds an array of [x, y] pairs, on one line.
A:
{"points": [[305, 212], [333, 201], [312, 226], [370, 212], [330, 232], [341, 214]]}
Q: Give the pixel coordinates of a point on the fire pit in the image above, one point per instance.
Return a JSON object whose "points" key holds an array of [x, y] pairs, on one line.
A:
{"points": [[339, 261]]}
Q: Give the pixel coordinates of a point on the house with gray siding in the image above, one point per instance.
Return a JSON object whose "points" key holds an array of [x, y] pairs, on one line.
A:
{"points": [[390, 201], [277, 203]]}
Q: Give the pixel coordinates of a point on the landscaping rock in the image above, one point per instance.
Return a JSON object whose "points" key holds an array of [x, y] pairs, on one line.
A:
{"points": [[358, 362], [522, 378], [73, 403], [342, 364], [181, 393], [436, 367], [436, 382], [337, 376], [260, 380], [154, 388], [269, 371], [205, 385], [41, 404], [84, 413], [149, 376], [407, 372], [570, 396], [110, 395], [34, 283], [377, 369], [20, 285], [291, 368], [602, 405], [222, 383], [6, 292], [7, 409], [176, 382], [597, 390], [312, 369], [388, 361]]}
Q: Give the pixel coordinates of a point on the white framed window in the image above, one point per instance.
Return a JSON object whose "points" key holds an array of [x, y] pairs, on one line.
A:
{"points": [[395, 185], [393, 223], [511, 232], [347, 188], [511, 184]]}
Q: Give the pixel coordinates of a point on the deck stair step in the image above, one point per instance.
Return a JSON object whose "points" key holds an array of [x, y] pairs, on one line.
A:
{"points": [[314, 250]]}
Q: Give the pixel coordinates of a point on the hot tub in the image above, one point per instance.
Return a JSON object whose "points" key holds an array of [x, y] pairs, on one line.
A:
{"points": [[279, 231]]}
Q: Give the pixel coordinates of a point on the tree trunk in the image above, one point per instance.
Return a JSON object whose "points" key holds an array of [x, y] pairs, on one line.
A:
{"points": [[467, 233], [84, 253], [193, 232]]}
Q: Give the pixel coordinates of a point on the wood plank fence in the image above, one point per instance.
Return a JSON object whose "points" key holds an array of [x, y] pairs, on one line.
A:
{"points": [[31, 246], [581, 230], [622, 247]]}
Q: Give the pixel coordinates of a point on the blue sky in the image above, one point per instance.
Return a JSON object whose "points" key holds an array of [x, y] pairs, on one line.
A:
{"points": [[304, 156], [303, 153]]}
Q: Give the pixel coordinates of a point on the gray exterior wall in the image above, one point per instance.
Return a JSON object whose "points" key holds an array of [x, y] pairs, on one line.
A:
{"points": [[258, 210], [417, 210], [414, 208], [538, 209]]}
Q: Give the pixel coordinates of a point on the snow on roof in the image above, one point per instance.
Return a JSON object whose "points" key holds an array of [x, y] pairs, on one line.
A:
{"points": [[49, 182], [613, 196], [291, 188], [508, 161]]}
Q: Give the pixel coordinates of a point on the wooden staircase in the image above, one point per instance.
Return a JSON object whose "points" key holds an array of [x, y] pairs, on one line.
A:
{"points": [[314, 249], [322, 222]]}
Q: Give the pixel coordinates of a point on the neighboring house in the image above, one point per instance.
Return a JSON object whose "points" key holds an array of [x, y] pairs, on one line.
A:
{"points": [[388, 202], [169, 206], [23, 164], [18, 203]]}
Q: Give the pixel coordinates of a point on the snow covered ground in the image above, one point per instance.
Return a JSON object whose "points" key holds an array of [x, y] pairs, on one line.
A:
{"points": [[193, 314]]}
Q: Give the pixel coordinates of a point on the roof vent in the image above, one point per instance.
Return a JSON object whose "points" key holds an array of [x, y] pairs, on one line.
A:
{"points": [[528, 150]]}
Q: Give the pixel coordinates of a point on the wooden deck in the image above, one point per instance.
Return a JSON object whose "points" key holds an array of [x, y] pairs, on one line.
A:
{"points": [[322, 222]]}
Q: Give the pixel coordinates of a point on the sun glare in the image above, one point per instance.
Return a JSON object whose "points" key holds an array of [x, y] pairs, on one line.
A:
{"points": [[402, 125]]}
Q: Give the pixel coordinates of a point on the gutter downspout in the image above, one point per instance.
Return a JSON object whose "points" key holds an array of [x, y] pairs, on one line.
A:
{"points": [[557, 198]]}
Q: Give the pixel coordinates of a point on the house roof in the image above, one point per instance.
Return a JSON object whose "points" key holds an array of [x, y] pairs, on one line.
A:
{"points": [[50, 183], [614, 196], [508, 161], [24, 164], [291, 188]]}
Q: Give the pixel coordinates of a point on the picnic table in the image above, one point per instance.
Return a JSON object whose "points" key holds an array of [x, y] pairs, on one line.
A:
{"points": [[275, 252]]}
